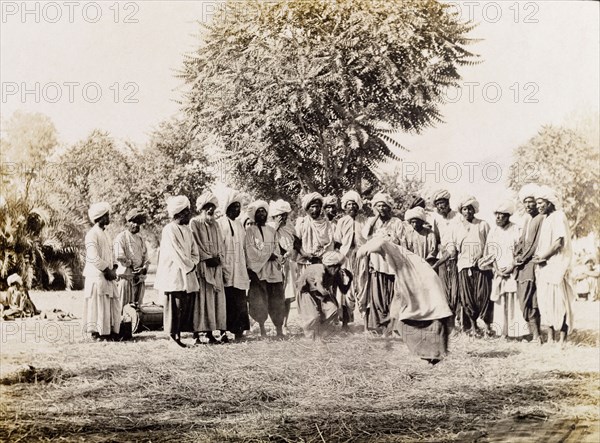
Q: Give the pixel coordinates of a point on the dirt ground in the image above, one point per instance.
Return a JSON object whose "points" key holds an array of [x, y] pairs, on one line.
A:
{"points": [[58, 386]]}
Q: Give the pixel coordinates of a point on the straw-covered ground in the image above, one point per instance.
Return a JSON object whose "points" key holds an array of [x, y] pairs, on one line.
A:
{"points": [[56, 386]]}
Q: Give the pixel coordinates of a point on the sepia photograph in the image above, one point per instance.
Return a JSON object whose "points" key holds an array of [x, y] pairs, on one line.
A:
{"points": [[300, 221]]}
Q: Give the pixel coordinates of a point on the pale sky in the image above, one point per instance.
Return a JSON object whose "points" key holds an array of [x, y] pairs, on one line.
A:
{"points": [[551, 55]]}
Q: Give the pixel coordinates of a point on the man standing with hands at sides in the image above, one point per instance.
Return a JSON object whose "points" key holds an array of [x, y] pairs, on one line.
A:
{"points": [[377, 289], [132, 256], [266, 297], [175, 273], [209, 312], [102, 307], [348, 234], [445, 225], [525, 267], [474, 284], [279, 212], [553, 257], [235, 274]]}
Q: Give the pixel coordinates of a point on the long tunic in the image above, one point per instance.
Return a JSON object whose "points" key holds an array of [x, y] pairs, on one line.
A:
{"points": [[446, 231], [102, 307], [525, 273], [508, 317], [130, 253], [234, 266], [423, 243], [555, 293], [209, 311], [348, 233], [316, 237], [286, 234]]}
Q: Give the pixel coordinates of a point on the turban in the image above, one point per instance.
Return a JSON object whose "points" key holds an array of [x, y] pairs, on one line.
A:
{"points": [[97, 210], [309, 198], [382, 197], [332, 258], [529, 190], [255, 206], [206, 198], [14, 278], [352, 196], [547, 193], [330, 200], [279, 207], [417, 212], [135, 213], [417, 202], [243, 218], [469, 201], [232, 196], [177, 204], [440, 194], [506, 207]]}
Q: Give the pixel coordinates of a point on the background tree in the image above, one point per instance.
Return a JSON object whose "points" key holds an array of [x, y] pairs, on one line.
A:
{"points": [[565, 160], [304, 95], [172, 164], [402, 190]]}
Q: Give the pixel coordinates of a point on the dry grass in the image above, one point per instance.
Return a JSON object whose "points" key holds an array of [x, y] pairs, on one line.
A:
{"points": [[353, 388]]}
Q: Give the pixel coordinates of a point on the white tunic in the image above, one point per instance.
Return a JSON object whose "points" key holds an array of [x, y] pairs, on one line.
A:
{"points": [[177, 258]]}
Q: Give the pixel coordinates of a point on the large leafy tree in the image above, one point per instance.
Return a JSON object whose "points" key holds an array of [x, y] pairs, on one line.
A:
{"points": [[568, 161], [304, 95]]}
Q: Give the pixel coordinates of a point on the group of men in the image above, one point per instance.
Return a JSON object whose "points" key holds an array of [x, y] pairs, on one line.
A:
{"points": [[419, 276]]}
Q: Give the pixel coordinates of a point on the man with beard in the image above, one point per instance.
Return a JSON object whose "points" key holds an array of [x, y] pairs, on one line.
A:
{"points": [[378, 289], [102, 307], [330, 209], [446, 223], [132, 257], [473, 282], [235, 274], [209, 311], [175, 272], [266, 297], [526, 286], [348, 234]]}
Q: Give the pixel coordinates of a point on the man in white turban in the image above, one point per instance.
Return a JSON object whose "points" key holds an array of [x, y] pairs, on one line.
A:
{"points": [[279, 212], [376, 281], [208, 305], [266, 297], [132, 256], [499, 252], [235, 273], [474, 284], [420, 239], [446, 224], [318, 284], [176, 270], [314, 231], [525, 267], [553, 258], [102, 306], [17, 300], [348, 235]]}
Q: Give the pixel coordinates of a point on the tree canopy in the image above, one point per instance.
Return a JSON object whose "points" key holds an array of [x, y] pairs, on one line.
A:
{"points": [[564, 159], [303, 95]]}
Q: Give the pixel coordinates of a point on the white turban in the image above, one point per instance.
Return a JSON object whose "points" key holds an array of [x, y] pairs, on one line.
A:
{"points": [[14, 278], [506, 207], [547, 193], [440, 194], [279, 207], [332, 258], [232, 196], [177, 204], [352, 196], [382, 197], [469, 201], [206, 198], [416, 212], [330, 200], [529, 190], [254, 206], [309, 198], [97, 210]]}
